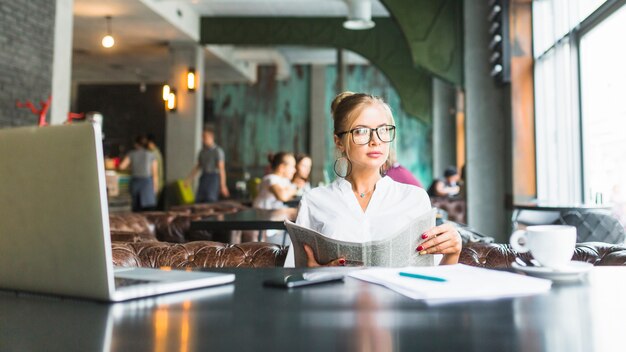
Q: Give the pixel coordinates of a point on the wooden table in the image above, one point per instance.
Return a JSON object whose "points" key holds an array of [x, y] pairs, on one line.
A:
{"points": [[350, 316]]}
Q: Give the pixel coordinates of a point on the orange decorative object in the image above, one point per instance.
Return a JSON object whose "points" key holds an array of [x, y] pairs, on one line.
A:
{"points": [[74, 116], [41, 112]]}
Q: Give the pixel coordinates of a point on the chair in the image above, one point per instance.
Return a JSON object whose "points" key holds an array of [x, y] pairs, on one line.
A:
{"points": [[594, 226]]}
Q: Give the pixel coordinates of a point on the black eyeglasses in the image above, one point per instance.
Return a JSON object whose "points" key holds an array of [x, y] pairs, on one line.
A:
{"points": [[363, 135]]}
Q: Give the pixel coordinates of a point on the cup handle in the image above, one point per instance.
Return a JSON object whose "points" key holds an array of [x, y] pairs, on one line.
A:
{"points": [[514, 241]]}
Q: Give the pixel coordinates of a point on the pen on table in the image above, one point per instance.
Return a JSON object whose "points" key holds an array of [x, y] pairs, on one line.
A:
{"points": [[423, 277]]}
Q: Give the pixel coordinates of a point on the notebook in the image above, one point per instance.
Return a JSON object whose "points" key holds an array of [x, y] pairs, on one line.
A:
{"points": [[54, 221]]}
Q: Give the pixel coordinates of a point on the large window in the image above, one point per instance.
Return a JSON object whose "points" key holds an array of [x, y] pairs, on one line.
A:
{"points": [[557, 27], [603, 107]]}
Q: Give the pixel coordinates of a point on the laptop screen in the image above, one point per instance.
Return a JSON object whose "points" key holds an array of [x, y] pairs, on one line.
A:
{"points": [[54, 231]]}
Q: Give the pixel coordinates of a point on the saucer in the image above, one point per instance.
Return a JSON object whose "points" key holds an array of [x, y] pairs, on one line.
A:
{"points": [[572, 272]]}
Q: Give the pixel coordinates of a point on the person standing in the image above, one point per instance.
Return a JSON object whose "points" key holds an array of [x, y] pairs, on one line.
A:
{"points": [[159, 158], [211, 163], [144, 181]]}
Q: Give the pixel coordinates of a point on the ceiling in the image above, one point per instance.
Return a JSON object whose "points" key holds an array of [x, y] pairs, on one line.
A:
{"points": [[146, 41]]}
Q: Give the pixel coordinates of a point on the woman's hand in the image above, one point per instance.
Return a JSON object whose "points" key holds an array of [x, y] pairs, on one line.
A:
{"points": [[311, 262], [443, 239]]}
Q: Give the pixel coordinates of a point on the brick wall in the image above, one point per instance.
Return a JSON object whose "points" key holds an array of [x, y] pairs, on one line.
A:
{"points": [[26, 48]]}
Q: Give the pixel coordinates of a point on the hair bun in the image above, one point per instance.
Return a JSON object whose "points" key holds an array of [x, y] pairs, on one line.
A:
{"points": [[338, 99]]}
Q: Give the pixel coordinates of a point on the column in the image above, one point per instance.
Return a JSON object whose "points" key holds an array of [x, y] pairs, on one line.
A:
{"points": [[184, 126], [488, 126], [62, 61]]}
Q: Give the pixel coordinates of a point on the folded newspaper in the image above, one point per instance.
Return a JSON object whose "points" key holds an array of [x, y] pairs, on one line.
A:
{"points": [[397, 250]]}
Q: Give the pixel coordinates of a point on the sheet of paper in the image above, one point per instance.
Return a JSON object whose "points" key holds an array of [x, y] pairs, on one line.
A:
{"points": [[462, 283]]}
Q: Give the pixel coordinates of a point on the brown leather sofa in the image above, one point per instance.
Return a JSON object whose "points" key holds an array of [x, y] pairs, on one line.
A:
{"points": [[168, 226], [206, 254]]}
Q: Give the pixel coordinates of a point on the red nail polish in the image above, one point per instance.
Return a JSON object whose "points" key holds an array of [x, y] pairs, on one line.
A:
{"points": [[424, 236], [420, 248], [342, 261]]}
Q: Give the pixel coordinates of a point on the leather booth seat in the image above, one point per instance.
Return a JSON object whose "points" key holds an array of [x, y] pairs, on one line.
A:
{"points": [[168, 226], [207, 254], [456, 208]]}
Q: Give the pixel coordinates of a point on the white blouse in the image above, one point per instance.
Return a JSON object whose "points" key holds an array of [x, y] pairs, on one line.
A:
{"points": [[335, 211], [266, 199]]}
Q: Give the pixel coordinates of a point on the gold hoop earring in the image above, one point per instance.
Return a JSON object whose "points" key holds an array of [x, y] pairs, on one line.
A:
{"points": [[342, 167]]}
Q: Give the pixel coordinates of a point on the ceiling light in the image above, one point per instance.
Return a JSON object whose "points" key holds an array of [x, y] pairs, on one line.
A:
{"points": [[359, 15], [108, 41]]}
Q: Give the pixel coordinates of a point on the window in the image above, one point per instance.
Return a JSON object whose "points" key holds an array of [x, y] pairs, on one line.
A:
{"points": [[556, 27], [603, 107]]}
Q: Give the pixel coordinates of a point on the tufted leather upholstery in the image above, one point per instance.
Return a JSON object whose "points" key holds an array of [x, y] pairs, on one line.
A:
{"points": [[497, 255], [594, 226], [454, 207], [170, 226], [200, 254], [207, 254]]}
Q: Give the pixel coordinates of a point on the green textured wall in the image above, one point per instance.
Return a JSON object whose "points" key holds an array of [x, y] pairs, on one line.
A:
{"points": [[270, 116], [384, 46], [267, 116], [413, 141]]}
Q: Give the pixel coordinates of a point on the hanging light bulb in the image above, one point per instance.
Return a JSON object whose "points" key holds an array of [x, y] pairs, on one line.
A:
{"points": [[108, 41], [166, 91]]}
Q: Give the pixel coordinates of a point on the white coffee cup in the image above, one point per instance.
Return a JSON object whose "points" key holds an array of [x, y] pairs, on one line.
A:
{"points": [[551, 245]]}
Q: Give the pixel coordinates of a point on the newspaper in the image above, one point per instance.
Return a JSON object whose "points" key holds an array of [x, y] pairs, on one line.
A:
{"points": [[397, 250]]}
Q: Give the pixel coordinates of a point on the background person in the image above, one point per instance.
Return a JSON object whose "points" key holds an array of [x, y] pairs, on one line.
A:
{"points": [[361, 205], [447, 186], [399, 173], [276, 187], [303, 171], [152, 146], [144, 181], [211, 163]]}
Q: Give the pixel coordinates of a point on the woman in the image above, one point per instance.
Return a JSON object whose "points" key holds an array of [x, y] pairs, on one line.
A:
{"points": [[144, 181], [276, 187], [303, 170], [361, 205]]}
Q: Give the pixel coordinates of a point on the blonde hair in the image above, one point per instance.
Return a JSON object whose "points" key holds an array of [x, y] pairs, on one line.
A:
{"points": [[347, 106]]}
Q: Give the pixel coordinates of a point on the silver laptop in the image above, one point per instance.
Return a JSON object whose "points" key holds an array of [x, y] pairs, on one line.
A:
{"points": [[54, 221]]}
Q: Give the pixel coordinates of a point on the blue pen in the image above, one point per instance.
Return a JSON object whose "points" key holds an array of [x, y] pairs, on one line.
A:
{"points": [[423, 277]]}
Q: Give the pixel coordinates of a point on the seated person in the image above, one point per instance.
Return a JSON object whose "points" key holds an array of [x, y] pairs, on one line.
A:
{"points": [[447, 186], [303, 171], [276, 187], [361, 205], [399, 173]]}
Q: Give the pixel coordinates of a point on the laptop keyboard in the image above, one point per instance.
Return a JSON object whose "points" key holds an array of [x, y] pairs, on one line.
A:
{"points": [[122, 282]]}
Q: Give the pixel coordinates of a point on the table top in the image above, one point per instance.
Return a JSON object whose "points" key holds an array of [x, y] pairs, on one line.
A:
{"points": [[346, 316], [546, 206], [249, 219]]}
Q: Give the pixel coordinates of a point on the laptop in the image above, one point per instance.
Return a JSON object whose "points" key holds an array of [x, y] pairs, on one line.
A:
{"points": [[54, 221]]}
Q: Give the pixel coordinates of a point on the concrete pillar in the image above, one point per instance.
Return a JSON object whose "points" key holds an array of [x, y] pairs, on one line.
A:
{"points": [[62, 61], [488, 126], [319, 127], [444, 126], [184, 126]]}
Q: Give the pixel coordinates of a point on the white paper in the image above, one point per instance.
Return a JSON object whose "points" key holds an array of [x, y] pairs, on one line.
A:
{"points": [[462, 283], [397, 250]]}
